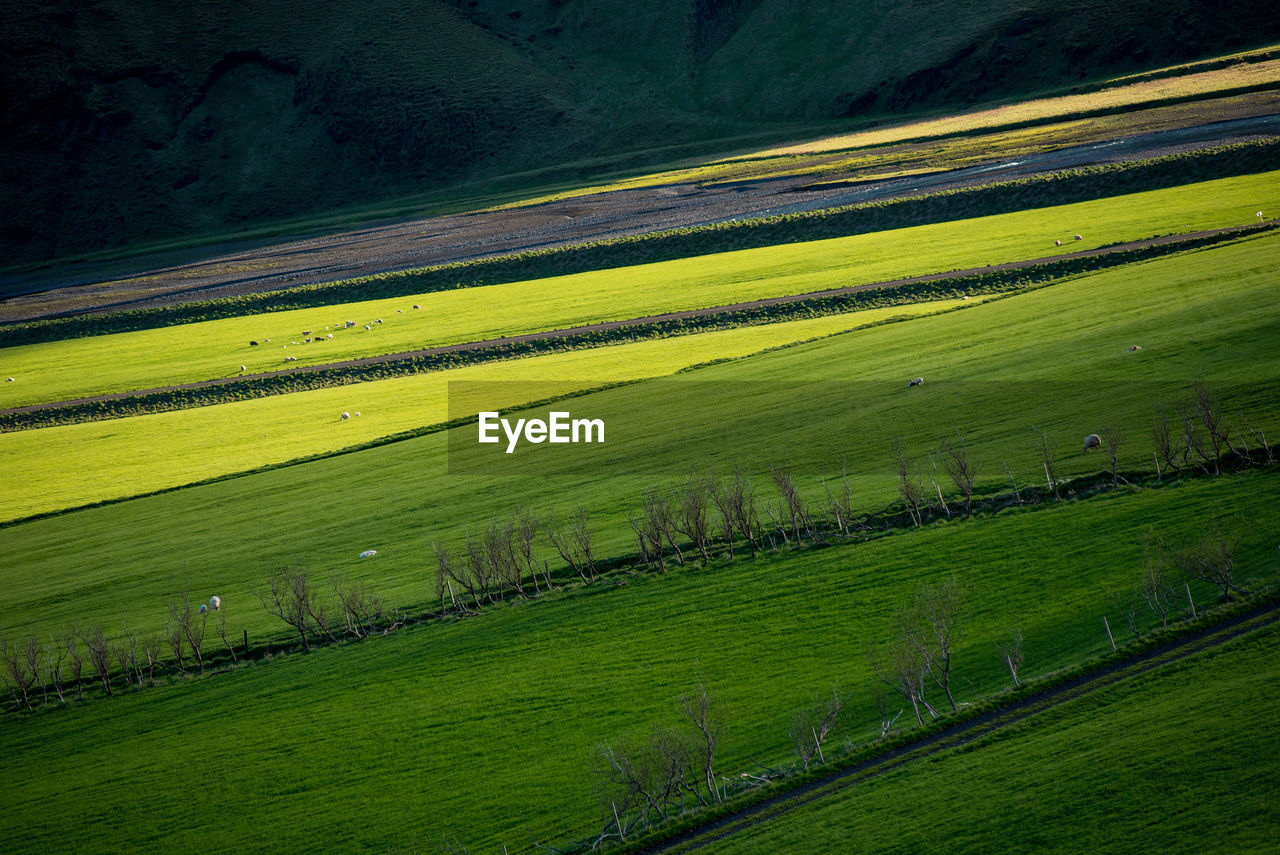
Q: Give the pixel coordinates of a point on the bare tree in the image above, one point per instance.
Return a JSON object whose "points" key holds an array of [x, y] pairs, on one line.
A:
{"points": [[125, 650], [1155, 590], [1047, 460], [1209, 413], [448, 572], [1164, 441], [909, 487], [651, 525], [693, 519], [222, 632], [963, 471], [572, 540], [900, 667], [288, 592], [16, 671], [70, 642], [839, 507], [152, 647], [735, 499], [33, 654], [1112, 438], [1011, 653], [360, 609], [887, 721], [191, 624], [95, 642], [55, 654], [797, 512], [931, 624], [1211, 559], [811, 725], [705, 715], [527, 525]]}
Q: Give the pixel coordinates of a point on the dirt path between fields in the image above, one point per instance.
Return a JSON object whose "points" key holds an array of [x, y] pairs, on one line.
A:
{"points": [[571, 332], [231, 269], [963, 733]]}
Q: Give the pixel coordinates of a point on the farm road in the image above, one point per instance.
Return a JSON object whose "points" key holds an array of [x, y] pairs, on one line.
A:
{"points": [[247, 268], [960, 734], [571, 332]]}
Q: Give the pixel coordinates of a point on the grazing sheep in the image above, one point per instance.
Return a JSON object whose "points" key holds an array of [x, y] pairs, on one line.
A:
{"points": [[1134, 347], [9, 380], [1079, 237], [357, 414], [368, 553], [1259, 215], [243, 369], [345, 416], [416, 306], [291, 359], [215, 603], [267, 340], [918, 381], [1057, 243], [350, 324], [399, 311], [306, 341], [965, 297], [329, 337], [203, 608], [1092, 441], [367, 327], [253, 344], [306, 332], [378, 321]]}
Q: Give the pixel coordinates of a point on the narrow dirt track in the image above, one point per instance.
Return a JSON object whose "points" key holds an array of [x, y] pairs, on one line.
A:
{"points": [[963, 733], [571, 332]]}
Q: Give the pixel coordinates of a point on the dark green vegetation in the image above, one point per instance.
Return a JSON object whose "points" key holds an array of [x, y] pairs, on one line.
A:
{"points": [[132, 121], [482, 730]]}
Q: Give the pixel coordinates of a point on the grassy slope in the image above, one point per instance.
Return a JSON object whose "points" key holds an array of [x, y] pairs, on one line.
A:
{"points": [[61, 370], [1054, 357], [142, 454], [482, 729], [1136, 767]]}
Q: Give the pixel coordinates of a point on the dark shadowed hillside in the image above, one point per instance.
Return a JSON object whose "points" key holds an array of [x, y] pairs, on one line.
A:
{"points": [[126, 120]]}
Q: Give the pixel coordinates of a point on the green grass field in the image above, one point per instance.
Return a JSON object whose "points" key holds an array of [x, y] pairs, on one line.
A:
{"points": [[1055, 357], [1135, 767], [482, 730], [62, 370]]}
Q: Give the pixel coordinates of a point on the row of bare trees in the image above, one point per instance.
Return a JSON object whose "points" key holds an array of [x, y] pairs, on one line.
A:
{"points": [[83, 654], [348, 609]]}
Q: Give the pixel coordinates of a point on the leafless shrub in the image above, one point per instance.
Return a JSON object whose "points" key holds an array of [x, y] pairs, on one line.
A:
{"points": [[527, 525], [126, 649], [572, 540], [899, 667], [361, 610], [70, 640], [55, 655], [1209, 414], [931, 624], [1165, 442], [152, 647]]}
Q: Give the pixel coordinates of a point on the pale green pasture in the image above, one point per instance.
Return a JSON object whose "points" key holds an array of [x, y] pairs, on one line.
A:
{"points": [[80, 367], [93, 461]]}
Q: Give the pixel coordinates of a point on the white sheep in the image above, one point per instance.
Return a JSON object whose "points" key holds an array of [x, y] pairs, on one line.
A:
{"points": [[345, 416], [918, 381], [1092, 441], [368, 553], [215, 603], [357, 414], [1079, 237], [367, 327], [1057, 243], [10, 380], [291, 359], [243, 369], [378, 321], [416, 306], [329, 337]]}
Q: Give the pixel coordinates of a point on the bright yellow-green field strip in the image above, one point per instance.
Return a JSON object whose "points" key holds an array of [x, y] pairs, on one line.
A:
{"points": [[84, 463], [56, 371]]}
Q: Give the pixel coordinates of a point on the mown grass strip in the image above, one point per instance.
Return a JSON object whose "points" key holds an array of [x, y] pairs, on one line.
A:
{"points": [[1021, 194]]}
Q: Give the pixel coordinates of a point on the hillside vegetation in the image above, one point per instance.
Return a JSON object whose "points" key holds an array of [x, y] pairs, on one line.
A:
{"points": [[125, 121]]}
